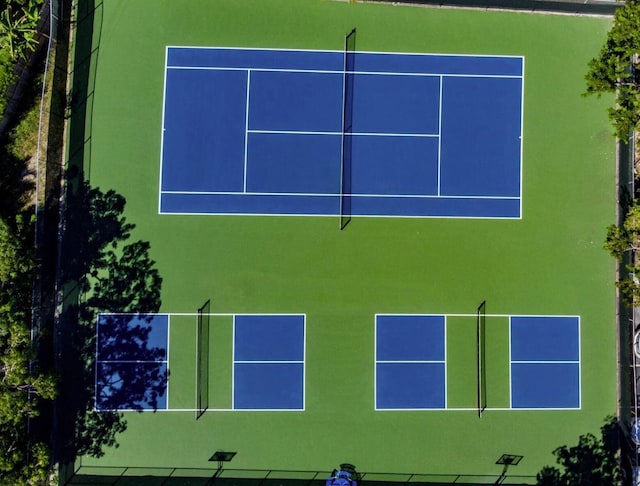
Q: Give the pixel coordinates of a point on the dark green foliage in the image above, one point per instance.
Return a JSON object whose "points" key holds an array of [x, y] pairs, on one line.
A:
{"points": [[625, 239], [613, 71], [7, 77], [24, 461], [18, 24], [593, 461]]}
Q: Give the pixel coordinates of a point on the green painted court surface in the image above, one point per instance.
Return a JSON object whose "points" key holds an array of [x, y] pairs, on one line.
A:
{"points": [[550, 262]]}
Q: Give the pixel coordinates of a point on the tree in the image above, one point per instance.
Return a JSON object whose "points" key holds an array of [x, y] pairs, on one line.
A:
{"points": [[22, 385], [619, 241], [613, 71], [593, 461]]}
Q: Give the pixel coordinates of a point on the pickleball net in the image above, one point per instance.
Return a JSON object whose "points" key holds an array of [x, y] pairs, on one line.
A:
{"points": [[202, 361], [347, 128], [481, 326]]}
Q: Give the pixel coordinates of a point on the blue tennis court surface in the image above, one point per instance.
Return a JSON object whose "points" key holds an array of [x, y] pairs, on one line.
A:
{"points": [[260, 131], [131, 361], [268, 362]]}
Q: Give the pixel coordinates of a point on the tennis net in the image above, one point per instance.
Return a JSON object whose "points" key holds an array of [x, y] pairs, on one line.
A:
{"points": [[202, 362], [481, 325], [347, 128]]}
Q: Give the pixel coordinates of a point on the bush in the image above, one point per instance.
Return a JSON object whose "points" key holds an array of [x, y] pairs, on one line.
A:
{"points": [[7, 77]]}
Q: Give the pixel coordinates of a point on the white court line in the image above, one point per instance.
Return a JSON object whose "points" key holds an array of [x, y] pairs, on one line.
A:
{"points": [[218, 314], [375, 363], [579, 362], [246, 131], [167, 361], [337, 72], [412, 361], [449, 314], [164, 109], [522, 139], [237, 410], [233, 366], [318, 194], [304, 362], [135, 361], [439, 175], [282, 49], [446, 401], [544, 361], [350, 134], [333, 215], [95, 373], [263, 361], [510, 361]]}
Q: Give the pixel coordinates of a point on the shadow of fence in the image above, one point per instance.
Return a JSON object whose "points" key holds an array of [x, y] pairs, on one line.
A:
{"points": [[174, 476]]}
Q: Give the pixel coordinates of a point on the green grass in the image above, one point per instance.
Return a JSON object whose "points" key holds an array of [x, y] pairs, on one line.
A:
{"points": [[550, 262]]}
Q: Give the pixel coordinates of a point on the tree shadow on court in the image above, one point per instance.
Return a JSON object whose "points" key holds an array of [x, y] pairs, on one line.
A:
{"points": [[102, 270], [593, 461]]}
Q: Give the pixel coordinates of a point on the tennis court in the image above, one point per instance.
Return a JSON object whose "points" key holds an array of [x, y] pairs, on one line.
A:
{"points": [[239, 133], [395, 134]]}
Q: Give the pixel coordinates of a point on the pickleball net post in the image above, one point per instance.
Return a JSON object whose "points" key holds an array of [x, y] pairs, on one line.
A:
{"points": [[481, 325], [346, 149], [202, 359]]}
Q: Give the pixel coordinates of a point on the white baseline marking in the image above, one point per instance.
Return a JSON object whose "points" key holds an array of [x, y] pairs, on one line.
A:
{"points": [[327, 71], [317, 194], [282, 49]]}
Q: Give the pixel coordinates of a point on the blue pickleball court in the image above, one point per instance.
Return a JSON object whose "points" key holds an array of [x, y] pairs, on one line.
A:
{"points": [[410, 362], [262, 132], [268, 362], [545, 362], [132, 362]]}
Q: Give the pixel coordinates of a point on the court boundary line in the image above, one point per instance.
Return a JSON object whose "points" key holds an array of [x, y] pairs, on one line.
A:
{"points": [[350, 134], [439, 167], [168, 365], [163, 129], [319, 194], [446, 365], [441, 77], [360, 216], [522, 141], [284, 49], [330, 71], [430, 410], [246, 130]]}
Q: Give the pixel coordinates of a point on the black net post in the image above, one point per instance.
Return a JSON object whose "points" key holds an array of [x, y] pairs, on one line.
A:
{"points": [[202, 361], [347, 128]]}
